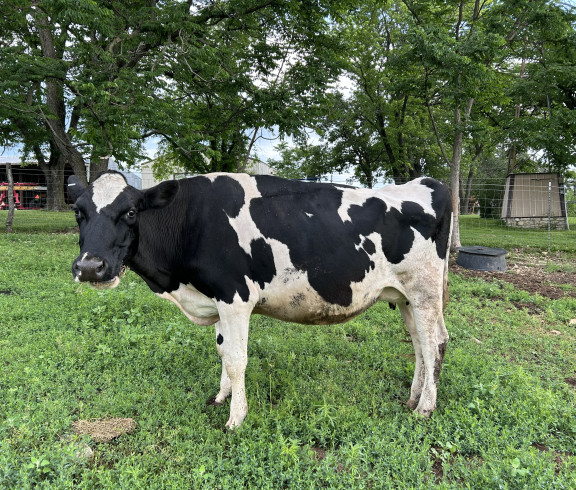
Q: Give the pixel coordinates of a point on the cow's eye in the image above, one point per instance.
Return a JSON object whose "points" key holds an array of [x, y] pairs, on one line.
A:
{"points": [[131, 214], [77, 214]]}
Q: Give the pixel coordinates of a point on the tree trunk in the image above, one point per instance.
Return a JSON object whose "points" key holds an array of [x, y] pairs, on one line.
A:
{"points": [[53, 170], [55, 120], [10, 191], [468, 191], [56, 200], [97, 166], [455, 188], [455, 171]]}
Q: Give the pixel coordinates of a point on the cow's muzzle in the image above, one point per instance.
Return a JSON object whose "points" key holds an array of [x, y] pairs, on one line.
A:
{"points": [[93, 270]]}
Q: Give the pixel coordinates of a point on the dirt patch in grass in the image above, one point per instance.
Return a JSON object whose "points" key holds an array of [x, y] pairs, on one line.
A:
{"points": [[558, 456], [529, 307], [104, 430], [437, 466], [534, 278], [571, 382], [319, 453]]}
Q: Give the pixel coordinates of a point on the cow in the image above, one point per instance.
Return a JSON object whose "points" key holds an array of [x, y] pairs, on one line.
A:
{"points": [[224, 246]]}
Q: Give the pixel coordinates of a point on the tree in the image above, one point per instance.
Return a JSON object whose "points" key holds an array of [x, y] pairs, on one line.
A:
{"points": [[386, 100], [460, 46], [544, 91], [65, 95], [241, 76], [84, 80]]}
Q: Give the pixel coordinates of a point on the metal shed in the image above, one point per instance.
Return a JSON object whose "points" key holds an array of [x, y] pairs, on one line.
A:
{"points": [[535, 201]]}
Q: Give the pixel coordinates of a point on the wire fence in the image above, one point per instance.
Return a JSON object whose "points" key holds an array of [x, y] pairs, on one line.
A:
{"points": [[524, 211], [521, 212]]}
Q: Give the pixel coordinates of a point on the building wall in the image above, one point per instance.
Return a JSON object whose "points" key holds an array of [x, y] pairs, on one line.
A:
{"points": [[535, 201], [533, 195]]}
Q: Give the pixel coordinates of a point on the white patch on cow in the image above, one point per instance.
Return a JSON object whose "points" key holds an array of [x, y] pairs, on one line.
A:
{"points": [[243, 224], [392, 195], [411, 191], [352, 197], [310, 215], [197, 307], [106, 189], [214, 175]]}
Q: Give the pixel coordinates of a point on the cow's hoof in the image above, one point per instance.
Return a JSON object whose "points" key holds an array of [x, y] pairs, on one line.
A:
{"points": [[234, 422], [424, 413], [213, 403], [412, 404]]}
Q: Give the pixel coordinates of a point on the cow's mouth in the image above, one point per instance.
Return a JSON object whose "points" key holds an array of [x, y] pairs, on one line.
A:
{"points": [[111, 284]]}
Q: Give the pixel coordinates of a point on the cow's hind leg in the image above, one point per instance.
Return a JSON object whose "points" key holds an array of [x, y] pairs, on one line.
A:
{"points": [[225, 383], [433, 336], [418, 380]]}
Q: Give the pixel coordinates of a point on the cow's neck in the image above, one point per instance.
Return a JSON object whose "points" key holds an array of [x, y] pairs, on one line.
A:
{"points": [[159, 256]]}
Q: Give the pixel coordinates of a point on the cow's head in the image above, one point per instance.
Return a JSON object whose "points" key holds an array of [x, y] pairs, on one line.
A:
{"points": [[107, 212]]}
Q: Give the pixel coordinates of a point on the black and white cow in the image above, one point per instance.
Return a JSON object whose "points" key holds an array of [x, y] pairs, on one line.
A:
{"points": [[224, 246]]}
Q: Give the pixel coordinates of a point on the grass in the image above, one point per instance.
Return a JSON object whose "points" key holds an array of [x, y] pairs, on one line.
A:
{"points": [[39, 221], [492, 233], [325, 403]]}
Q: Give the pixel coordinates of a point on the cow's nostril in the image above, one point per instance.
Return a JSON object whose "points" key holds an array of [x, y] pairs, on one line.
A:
{"points": [[91, 269]]}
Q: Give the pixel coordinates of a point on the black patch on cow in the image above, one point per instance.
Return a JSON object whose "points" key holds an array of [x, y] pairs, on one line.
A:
{"points": [[305, 218], [392, 225], [219, 339], [231, 195], [442, 205], [191, 241], [263, 268], [369, 246], [392, 305]]}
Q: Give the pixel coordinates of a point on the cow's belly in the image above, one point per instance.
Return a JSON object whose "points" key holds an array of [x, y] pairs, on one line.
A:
{"points": [[300, 303], [300, 310], [290, 297]]}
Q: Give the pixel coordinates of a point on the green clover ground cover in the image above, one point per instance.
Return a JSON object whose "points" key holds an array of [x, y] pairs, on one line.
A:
{"points": [[325, 403]]}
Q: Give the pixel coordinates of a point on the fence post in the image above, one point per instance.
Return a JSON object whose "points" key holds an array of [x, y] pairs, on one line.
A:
{"points": [[549, 214], [10, 193]]}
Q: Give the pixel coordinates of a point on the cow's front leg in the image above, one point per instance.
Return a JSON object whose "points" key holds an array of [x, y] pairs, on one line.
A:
{"points": [[232, 344], [225, 383]]}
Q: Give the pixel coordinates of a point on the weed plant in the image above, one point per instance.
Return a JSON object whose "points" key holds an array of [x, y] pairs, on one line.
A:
{"points": [[326, 402]]}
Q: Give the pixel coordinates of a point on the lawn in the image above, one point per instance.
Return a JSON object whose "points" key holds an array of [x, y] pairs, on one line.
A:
{"points": [[326, 403], [492, 233]]}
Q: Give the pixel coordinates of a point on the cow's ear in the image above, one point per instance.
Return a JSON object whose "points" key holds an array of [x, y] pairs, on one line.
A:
{"points": [[75, 187], [160, 195]]}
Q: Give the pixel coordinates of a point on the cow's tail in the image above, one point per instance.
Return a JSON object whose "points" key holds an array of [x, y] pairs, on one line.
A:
{"points": [[445, 291]]}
